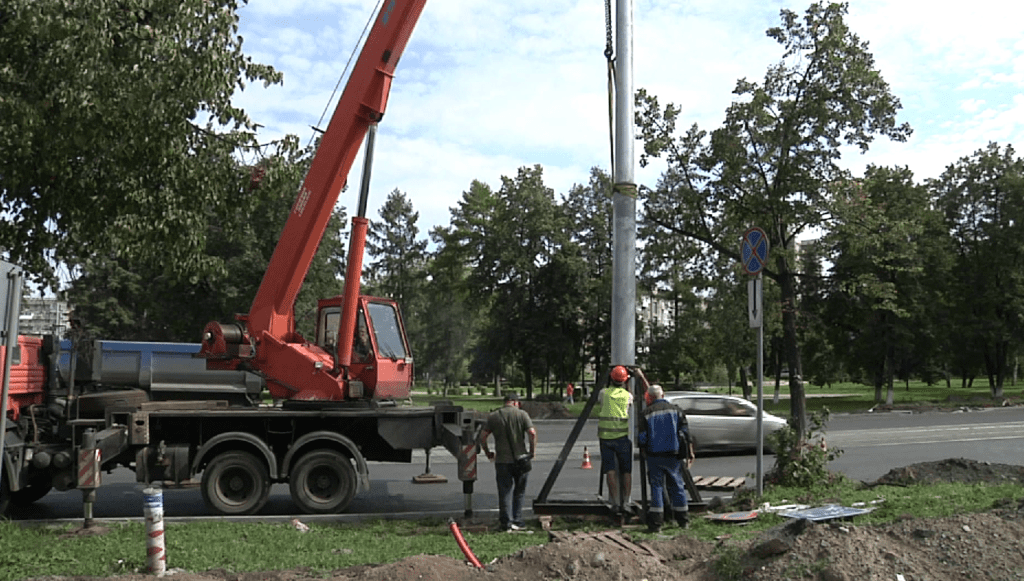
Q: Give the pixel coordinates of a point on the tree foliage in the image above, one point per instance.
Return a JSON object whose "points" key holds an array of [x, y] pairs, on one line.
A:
{"points": [[885, 254], [117, 131], [128, 299], [982, 198], [771, 162], [397, 262], [588, 210]]}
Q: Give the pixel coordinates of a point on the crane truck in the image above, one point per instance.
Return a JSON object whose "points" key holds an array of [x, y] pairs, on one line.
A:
{"points": [[175, 413]]}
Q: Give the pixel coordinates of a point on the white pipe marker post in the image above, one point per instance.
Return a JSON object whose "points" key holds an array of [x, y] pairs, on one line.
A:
{"points": [[156, 554]]}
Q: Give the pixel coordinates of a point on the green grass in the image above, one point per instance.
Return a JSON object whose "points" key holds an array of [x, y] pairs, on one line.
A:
{"points": [[28, 551], [890, 503], [239, 547]]}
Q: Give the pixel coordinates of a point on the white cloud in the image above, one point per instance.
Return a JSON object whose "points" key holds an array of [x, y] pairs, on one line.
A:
{"points": [[972, 105], [487, 87]]}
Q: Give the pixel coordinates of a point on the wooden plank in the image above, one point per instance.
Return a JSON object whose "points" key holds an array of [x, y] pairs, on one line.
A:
{"points": [[621, 542], [719, 482], [652, 552]]}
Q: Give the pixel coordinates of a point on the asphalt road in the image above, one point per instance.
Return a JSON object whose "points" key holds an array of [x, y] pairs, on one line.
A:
{"points": [[873, 444]]}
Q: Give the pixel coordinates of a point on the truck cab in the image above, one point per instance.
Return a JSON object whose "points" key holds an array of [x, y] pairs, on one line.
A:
{"points": [[381, 364]]}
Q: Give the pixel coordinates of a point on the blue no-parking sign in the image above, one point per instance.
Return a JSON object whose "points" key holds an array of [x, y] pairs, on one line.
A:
{"points": [[754, 250]]}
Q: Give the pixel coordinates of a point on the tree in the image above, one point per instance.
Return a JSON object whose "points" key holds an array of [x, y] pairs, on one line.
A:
{"points": [[982, 197], [450, 319], [119, 297], [396, 255], [118, 132], [588, 209], [398, 261], [771, 162], [457, 279], [519, 237], [886, 252]]}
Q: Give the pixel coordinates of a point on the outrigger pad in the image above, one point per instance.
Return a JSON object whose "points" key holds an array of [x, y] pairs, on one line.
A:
{"points": [[429, 478]]}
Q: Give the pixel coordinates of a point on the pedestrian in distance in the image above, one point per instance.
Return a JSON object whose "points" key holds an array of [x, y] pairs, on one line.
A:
{"points": [[664, 441], [613, 437], [569, 390], [514, 438]]}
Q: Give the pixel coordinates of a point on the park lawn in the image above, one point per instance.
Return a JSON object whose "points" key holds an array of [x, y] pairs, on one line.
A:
{"points": [[837, 398]]}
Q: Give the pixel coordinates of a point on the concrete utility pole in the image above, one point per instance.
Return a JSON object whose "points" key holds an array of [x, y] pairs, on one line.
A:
{"points": [[624, 197]]}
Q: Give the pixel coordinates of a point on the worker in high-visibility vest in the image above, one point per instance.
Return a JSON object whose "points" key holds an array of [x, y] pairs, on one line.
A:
{"points": [[613, 435]]}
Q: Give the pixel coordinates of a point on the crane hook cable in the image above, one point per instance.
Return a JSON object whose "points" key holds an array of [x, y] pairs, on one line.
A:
{"points": [[609, 55], [369, 21]]}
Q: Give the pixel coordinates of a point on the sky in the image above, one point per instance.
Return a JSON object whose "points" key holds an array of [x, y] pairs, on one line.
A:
{"points": [[485, 88]]}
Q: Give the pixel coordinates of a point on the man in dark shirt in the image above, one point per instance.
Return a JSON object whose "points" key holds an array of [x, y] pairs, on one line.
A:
{"points": [[510, 426]]}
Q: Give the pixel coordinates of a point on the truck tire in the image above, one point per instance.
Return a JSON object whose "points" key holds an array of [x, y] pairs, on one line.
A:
{"points": [[235, 483], [323, 482], [33, 492], [5, 493]]}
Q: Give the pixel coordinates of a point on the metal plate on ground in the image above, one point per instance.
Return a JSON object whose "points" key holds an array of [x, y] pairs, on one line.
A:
{"points": [[820, 513]]}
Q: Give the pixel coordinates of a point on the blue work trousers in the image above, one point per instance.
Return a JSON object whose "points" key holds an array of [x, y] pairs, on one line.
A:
{"points": [[511, 492], [665, 471]]}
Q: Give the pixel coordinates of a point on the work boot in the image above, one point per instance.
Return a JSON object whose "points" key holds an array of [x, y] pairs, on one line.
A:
{"points": [[617, 515], [683, 519], [654, 521]]}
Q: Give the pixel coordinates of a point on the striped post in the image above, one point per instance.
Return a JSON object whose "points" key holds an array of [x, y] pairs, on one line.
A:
{"points": [[467, 465], [156, 555]]}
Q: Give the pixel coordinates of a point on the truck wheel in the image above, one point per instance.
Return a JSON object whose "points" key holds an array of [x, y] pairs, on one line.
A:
{"points": [[5, 493], [236, 483], [31, 493], [323, 482]]}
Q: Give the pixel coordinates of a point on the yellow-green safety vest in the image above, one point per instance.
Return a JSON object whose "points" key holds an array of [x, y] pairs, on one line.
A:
{"points": [[614, 419]]}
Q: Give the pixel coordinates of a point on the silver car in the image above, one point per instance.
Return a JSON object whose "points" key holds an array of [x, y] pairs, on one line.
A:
{"points": [[723, 422]]}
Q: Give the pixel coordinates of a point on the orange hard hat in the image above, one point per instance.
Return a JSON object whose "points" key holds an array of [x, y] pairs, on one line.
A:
{"points": [[619, 374]]}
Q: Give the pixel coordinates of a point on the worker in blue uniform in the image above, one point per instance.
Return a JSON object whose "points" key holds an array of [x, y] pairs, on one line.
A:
{"points": [[664, 439]]}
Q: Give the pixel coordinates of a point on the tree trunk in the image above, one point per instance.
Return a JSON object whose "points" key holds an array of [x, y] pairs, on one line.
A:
{"points": [[743, 382], [777, 365], [879, 381], [890, 357], [797, 404], [1001, 350]]}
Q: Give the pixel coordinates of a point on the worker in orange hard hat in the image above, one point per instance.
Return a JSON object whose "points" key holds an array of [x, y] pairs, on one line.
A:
{"points": [[613, 435]]}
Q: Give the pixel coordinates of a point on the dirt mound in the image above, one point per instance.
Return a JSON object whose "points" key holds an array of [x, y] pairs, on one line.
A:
{"points": [[958, 548], [953, 470], [546, 410], [953, 403]]}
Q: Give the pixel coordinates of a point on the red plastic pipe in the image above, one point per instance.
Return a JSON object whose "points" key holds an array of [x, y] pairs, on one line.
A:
{"points": [[462, 544]]}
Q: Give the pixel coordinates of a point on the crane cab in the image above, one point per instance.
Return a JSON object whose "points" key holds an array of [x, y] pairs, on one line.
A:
{"points": [[380, 358]]}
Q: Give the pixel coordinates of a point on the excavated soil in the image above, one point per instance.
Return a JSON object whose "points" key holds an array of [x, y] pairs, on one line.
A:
{"points": [[982, 546]]}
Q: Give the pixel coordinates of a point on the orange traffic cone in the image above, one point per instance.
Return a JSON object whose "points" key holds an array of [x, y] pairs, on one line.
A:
{"points": [[586, 460]]}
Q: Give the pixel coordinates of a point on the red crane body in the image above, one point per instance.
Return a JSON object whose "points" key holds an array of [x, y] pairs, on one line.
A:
{"points": [[265, 340]]}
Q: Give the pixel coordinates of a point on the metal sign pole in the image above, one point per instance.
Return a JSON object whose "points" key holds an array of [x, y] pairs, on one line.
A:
{"points": [[754, 256], [758, 290]]}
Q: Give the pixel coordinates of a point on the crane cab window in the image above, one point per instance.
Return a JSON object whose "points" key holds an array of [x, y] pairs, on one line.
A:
{"points": [[362, 350], [387, 331], [327, 328]]}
